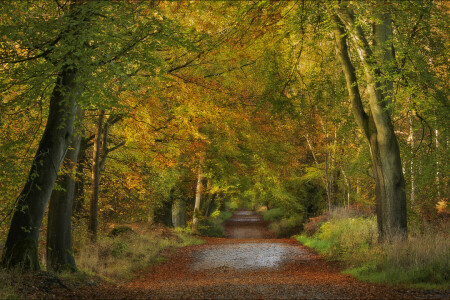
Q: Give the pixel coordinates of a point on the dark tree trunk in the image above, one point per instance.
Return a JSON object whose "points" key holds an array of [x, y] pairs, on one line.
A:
{"points": [[21, 244], [59, 229], [93, 217], [80, 180]]}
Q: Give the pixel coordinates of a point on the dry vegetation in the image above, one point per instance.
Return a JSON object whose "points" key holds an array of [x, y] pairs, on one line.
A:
{"points": [[111, 258]]}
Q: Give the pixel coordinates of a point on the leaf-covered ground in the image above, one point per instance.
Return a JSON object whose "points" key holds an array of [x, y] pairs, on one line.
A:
{"points": [[240, 268]]}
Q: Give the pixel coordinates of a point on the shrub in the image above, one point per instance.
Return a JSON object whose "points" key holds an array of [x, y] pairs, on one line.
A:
{"points": [[274, 214], [212, 225], [313, 225], [287, 226], [423, 259], [120, 230]]}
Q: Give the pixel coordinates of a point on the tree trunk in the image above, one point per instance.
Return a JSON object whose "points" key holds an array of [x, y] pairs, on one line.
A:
{"points": [[437, 174], [79, 200], [377, 126], [179, 213], [93, 217], [21, 244], [347, 187], [59, 229], [411, 164], [325, 180], [198, 195]]}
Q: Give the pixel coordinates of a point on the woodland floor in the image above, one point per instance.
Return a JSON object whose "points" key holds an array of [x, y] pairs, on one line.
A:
{"points": [[249, 264]]}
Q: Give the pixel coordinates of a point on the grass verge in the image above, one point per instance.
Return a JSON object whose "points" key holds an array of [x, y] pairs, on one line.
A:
{"points": [[119, 257], [422, 261]]}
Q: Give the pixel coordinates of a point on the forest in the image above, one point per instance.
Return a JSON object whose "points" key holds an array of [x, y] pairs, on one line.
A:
{"points": [[329, 118]]}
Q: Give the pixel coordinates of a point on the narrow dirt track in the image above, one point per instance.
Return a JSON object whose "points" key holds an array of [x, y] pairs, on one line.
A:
{"points": [[250, 264]]}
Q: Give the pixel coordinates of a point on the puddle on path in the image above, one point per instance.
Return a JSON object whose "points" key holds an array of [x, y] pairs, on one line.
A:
{"points": [[247, 256]]}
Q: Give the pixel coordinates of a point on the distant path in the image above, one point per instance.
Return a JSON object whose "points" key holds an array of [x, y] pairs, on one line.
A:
{"points": [[246, 224], [249, 264]]}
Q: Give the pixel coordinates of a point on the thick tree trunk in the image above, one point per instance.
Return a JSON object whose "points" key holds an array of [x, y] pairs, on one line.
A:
{"points": [[21, 244], [377, 126], [59, 229], [93, 217], [198, 195]]}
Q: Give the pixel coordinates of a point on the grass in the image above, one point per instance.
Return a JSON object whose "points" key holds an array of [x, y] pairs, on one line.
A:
{"points": [[118, 258], [8, 284], [111, 258], [423, 260]]}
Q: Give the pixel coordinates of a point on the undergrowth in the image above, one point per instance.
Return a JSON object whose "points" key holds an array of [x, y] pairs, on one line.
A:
{"points": [[118, 257], [212, 226], [423, 260], [283, 223]]}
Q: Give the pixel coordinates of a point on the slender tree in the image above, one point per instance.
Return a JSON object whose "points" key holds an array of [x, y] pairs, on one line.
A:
{"points": [[198, 195]]}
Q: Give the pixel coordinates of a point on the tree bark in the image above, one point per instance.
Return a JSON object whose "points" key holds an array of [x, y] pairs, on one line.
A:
{"points": [[21, 244], [411, 163], [377, 125], [198, 195], [179, 213], [79, 199], [93, 217], [59, 229]]}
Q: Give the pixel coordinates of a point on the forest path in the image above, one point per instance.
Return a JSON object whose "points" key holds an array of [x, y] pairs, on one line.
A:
{"points": [[249, 264]]}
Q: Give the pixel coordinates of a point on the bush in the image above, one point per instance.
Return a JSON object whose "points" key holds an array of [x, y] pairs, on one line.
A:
{"points": [[313, 225], [287, 226], [274, 214], [120, 230], [422, 260], [212, 225]]}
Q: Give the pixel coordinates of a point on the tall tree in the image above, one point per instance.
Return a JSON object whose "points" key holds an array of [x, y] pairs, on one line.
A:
{"points": [[59, 228], [377, 124], [93, 217], [21, 244]]}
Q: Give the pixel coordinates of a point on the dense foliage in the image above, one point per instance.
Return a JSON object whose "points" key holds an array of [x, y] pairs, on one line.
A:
{"points": [[248, 93]]}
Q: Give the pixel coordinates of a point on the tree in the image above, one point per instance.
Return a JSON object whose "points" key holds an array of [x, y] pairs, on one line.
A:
{"points": [[376, 125], [198, 194], [59, 228], [21, 244]]}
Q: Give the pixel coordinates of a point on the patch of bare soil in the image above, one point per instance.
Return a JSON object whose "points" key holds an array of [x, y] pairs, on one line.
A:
{"points": [[244, 267]]}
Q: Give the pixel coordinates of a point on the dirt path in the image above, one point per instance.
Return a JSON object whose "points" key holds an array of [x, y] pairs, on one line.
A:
{"points": [[250, 264]]}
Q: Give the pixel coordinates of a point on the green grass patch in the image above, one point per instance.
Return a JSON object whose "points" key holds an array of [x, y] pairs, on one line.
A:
{"points": [[321, 246], [421, 261]]}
